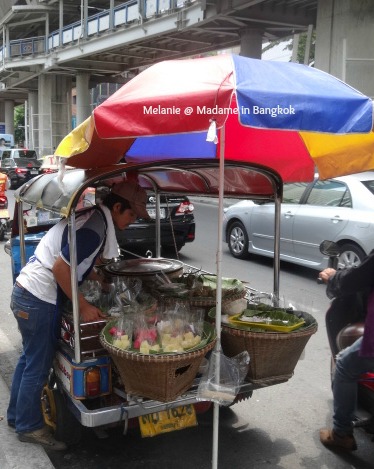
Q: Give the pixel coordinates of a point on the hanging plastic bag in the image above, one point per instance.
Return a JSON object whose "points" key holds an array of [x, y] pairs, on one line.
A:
{"points": [[122, 332], [222, 379], [145, 335]]}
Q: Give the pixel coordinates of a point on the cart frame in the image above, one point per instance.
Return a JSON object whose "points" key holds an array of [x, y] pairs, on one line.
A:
{"points": [[209, 178]]}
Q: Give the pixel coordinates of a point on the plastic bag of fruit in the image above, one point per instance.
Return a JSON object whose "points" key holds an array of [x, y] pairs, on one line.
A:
{"points": [[122, 332]]}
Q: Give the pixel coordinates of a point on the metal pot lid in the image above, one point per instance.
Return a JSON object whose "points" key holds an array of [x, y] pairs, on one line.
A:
{"points": [[149, 266]]}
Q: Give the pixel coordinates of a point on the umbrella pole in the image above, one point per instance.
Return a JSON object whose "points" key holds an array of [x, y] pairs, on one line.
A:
{"points": [[219, 292], [277, 216]]}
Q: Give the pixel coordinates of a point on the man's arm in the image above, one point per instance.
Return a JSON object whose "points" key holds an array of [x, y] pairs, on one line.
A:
{"points": [[62, 274], [350, 280]]}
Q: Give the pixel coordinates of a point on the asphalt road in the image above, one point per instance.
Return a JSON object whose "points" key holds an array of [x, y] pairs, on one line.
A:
{"points": [[277, 428]]}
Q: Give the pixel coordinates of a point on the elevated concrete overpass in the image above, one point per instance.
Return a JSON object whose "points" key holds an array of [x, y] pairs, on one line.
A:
{"points": [[110, 39]]}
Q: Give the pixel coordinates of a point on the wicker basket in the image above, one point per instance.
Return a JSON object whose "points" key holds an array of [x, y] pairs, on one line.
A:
{"points": [[273, 355], [161, 377]]}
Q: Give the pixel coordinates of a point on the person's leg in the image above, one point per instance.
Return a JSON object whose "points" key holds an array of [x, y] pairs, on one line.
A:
{"points": [[35, 322], [16, 383], [349, 367]]}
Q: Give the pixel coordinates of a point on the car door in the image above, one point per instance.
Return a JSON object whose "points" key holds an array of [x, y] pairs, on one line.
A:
{"points": [[324, 215], [262, 222]]}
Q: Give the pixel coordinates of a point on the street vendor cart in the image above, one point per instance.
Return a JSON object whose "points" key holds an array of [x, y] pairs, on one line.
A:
{"points": [[95, 384], [224, 126]]}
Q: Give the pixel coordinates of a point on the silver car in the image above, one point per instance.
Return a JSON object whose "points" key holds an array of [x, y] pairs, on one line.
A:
{"points": [[339, 209]]}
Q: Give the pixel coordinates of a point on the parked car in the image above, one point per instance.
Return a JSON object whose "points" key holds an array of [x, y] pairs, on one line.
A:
{"points": [[177, 226], [339, 209], [177, 223], [20, 165]]}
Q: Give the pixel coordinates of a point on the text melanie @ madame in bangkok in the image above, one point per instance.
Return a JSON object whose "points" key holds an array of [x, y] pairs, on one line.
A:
{"points": [[215, 110]]}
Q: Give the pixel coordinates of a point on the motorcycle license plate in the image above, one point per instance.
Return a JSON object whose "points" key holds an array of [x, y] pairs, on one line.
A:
{"points": [[4, 213], [167, 420]]}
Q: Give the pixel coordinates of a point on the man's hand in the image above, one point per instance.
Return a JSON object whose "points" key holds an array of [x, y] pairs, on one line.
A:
{"points": [[89, 312], [326, 274]]}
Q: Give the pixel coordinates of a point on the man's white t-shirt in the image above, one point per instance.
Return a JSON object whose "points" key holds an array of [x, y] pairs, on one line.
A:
{"points": [[93, 236]]}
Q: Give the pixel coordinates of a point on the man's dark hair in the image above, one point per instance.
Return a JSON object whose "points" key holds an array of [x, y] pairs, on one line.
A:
{"points": [[111, 199]]}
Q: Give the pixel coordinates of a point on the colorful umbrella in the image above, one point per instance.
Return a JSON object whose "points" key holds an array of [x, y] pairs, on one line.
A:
{"points": [[287, 116]]}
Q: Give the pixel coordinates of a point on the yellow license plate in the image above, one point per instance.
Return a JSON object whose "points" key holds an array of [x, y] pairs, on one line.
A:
{"points": [[4, 213], [167, 420]]}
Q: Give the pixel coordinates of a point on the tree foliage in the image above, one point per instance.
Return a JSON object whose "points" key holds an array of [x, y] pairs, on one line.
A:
{"points": [[301, 47], [19, 125]]}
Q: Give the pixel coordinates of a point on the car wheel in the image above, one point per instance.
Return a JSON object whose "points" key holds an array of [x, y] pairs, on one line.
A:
{"points": [[13, 184], [351, 255], [238, 240]]}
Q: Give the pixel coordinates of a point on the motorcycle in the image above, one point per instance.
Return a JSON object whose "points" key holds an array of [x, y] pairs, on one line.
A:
{"points": [[344, 325], [4, 214]]}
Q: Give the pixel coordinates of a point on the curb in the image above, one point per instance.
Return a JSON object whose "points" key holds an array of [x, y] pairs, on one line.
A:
{"points": [[13, 453]]}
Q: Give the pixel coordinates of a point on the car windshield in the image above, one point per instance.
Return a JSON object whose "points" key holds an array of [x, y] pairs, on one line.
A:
{"points": [[29, 154], [21, 153]]}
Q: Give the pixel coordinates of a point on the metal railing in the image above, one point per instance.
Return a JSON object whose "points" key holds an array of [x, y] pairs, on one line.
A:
{"points": [[122, 15]]}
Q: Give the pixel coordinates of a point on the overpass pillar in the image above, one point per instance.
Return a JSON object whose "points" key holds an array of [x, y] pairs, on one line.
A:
{"points": [[83, 108], [32, 124], [54, 111], [9, 116], [345, 42], [61, 108], [251, 43], [44, 115], [2, 113]]}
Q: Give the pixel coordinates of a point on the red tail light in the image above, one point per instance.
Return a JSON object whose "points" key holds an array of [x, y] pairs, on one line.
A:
{"points": [[21, 170], [184, 208], [92, 381]]}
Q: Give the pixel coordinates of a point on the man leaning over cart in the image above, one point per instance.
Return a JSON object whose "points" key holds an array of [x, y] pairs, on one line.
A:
{"points": [[35, 306]]}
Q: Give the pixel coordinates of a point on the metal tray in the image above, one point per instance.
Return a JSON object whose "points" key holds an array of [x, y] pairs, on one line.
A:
{"points": [[140, 267]]}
